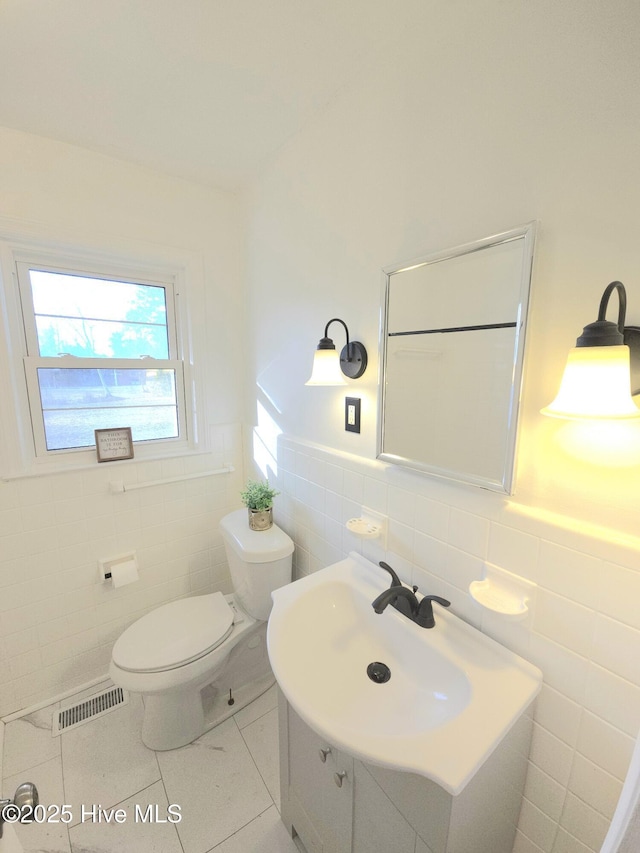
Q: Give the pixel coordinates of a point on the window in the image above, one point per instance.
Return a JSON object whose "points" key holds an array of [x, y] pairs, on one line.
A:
{"points": [[101, 348]]}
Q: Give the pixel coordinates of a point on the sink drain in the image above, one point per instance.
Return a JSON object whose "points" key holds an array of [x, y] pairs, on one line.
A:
{"points": [[378, 672]]}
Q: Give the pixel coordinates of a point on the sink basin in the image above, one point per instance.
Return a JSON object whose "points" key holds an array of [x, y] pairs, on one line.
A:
{"points": [[451, 695]]}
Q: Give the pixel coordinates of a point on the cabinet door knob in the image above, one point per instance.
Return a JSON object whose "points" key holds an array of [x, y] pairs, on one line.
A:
{"points": [[324, 751], [339, 777]]}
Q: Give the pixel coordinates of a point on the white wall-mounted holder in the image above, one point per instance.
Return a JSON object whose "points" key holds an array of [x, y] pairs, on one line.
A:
{"points": [[120, 570], [503, 593], [369, 525]]}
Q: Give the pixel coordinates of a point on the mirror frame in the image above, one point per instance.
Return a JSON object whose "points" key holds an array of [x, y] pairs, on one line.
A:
{"points": [[505, 483]]}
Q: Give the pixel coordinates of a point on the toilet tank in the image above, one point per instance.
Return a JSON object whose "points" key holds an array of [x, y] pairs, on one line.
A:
{"points": [[259, 562]]}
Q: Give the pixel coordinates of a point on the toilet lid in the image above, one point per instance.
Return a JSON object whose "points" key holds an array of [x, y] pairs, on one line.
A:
{"points": [[174, 634]]}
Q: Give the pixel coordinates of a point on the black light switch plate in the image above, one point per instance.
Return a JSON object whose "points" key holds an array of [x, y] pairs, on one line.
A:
{"points": [[352, 414]]}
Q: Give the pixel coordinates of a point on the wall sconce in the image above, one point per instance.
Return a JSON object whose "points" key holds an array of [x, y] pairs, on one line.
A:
{"points": [[597, 379], [328, 368]]}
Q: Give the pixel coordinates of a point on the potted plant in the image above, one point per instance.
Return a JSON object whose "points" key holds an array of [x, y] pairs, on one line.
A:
{"points": [[258, 498]]}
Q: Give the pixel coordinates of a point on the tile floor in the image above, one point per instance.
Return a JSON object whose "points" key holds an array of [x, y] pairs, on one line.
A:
{"points": [[226, 783]]}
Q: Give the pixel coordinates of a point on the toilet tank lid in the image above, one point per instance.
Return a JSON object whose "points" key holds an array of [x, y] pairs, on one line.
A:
{"points": [[254, 546]]}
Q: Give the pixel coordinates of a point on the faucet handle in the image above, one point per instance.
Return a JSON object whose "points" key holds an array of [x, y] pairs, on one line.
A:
{"points": [[442, 601], [424, 616]]}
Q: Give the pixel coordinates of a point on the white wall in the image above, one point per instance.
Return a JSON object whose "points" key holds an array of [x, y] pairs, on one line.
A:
{"points": [[57, 622], [474, 118]]}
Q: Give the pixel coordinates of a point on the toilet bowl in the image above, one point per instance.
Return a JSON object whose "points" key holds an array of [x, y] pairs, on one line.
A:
{"points": [[198, 660]]}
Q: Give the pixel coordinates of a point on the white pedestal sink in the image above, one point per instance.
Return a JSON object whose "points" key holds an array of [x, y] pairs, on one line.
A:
{"points": [[452, 695]]}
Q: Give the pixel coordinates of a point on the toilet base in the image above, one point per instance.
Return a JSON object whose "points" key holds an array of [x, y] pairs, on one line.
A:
{"points": [[176, 718]]}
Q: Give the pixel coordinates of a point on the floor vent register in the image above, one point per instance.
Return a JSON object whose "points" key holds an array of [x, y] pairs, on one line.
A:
{"points": [[65, 719]]}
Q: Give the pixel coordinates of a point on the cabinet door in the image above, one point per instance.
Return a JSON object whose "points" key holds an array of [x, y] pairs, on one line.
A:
{"points": [[321, 785], [339, 801], [377, 823]]}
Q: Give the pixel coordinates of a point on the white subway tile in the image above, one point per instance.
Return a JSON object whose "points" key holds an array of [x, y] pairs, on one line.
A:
{"points": [[544, 792], [25, 663], [620, 594], [522, 844], [562, 669], [605, 745], [375, 495], [40, 541], [617, 647], [551, 755], [316, 471], [17, 595], [58, 651], [594, 786], [400, 539], [172, 467], [513, 550], [462, 568], [11, 571], [36, 490], [303, 464], [557, 714], [432, 517], [353, 486], [583, 822], [14, 546], [571, 573], [512, 634], [564, 621], [566, 843], [537, 826], [333, 506], [11, 521], [401, 505], [21, 642], [333, 531], [72, 533], [468, 532], [8, 700], [53, 630], [613, 699], [430, 553], [69, 510]]}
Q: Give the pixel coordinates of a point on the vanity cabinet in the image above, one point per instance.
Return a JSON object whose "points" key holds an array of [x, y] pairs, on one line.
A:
{"points": [[319, 789], [338, 804]]}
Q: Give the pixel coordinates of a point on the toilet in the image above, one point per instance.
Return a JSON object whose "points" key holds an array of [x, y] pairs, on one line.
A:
{"points": [[198, 660]]}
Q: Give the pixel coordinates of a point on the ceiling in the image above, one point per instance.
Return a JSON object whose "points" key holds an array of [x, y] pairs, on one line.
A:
{"points": [[206, 90]]}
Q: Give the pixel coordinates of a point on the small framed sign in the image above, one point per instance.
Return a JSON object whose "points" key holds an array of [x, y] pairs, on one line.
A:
{"points": [[112, 444]]}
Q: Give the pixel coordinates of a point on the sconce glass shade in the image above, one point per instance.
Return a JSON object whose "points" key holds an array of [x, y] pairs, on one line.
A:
{"points": [[326, 369], [596, 384]]}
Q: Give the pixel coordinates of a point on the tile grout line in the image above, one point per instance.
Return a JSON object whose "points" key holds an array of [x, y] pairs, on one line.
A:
{"points": [[255, 763]]}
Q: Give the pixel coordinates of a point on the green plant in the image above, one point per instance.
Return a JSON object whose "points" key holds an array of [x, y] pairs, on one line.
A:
{"points": [[258, 496]]}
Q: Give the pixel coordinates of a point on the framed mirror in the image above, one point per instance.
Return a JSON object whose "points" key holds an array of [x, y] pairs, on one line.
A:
{"points": [[451, 355]]}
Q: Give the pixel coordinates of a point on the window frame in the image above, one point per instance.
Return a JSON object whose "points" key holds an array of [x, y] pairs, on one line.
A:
{"points": [[24, 450]]}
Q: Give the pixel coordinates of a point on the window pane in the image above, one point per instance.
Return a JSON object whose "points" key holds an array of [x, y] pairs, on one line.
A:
{"points": [[75, 401], [97, 318]]}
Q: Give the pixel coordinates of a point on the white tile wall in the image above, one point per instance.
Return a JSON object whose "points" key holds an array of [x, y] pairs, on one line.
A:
{"points": [[58, 622], [585, 635]]}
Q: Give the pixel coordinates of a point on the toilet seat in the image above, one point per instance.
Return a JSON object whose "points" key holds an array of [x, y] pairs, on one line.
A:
{"points": [[175, 634]]}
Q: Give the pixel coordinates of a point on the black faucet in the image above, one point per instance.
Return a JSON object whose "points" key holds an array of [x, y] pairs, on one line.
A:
{"points": [[406, 601]]}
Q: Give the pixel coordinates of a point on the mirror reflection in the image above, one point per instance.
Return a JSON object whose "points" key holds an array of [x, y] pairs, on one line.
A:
{"points": [[452, 348]]}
